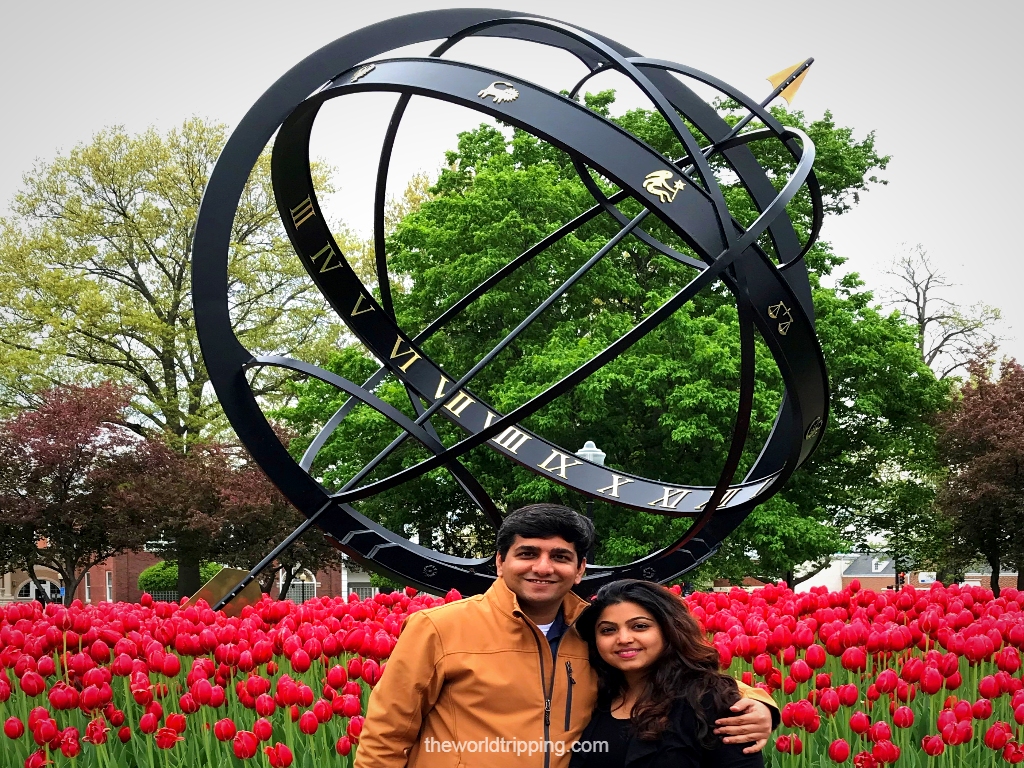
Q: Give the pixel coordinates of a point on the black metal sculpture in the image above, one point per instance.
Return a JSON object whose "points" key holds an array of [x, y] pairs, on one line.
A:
{"points": [[772, 297]]}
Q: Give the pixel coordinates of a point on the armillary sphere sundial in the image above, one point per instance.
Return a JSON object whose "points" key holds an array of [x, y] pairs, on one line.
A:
{"points": [[772, 294]]}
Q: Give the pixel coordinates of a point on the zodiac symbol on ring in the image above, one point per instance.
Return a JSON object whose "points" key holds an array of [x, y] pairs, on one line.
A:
{"points": [[506, 93], [656, 183]]}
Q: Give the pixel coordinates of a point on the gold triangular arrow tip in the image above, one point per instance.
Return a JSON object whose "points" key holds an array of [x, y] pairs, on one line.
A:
{"points": [[780, 77]]}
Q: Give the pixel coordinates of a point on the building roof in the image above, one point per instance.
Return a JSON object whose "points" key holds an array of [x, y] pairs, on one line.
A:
{"points": [[877, 564]]}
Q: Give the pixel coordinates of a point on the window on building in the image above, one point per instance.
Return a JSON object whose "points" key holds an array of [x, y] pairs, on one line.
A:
{"points": [[877, 565], [110, 586], [362, 591], [302, 588], [28, 590], [88, 587]]}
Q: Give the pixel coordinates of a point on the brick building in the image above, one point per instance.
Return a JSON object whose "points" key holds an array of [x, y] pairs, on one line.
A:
{"points": [[877, 571]]}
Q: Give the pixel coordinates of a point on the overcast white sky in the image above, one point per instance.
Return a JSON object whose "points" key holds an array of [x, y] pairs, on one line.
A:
{"points": [[937, 81]]}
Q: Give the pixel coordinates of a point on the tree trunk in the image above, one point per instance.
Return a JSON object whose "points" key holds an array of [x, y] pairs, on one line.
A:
{"points": [[70, 587], [1020, 578], [790, 577], [289, 576], [189, 580], [994, 582], [41, 594]]}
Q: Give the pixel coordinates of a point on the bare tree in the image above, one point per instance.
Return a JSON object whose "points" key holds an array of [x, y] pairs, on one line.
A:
{"points": [[948, 336]]}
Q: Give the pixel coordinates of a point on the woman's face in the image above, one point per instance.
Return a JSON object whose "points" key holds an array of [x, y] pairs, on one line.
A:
{"points": [[628, 638]]}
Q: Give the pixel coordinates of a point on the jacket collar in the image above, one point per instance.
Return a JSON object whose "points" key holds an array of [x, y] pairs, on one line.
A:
{"points": [[505, 600]]}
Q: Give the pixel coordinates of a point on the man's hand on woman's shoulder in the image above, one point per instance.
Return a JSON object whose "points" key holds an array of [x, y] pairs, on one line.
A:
{"points": [[751, 723]]}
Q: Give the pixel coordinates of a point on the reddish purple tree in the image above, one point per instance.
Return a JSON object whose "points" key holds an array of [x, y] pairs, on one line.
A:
{"points": [[982, 443], [61, 467]]}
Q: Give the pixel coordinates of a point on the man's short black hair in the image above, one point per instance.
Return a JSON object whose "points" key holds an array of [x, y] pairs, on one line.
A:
{"points": [[544, 521]]}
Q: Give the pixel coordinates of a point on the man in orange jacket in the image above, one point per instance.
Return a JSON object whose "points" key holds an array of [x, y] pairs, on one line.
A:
{"points": [[503, 678]]}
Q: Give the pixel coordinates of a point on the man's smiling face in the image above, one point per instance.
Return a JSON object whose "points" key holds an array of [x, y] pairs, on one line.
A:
{"points": [[540, 571]]}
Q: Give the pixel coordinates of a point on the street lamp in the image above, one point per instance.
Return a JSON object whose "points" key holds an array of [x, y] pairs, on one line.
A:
{"points": [[590, 452]]}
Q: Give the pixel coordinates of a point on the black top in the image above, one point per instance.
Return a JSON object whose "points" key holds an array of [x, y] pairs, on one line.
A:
{"points": [[678, 746], [608, 742]]}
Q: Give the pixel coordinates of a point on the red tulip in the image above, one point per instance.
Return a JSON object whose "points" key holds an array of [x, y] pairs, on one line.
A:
{"points": [[829, 701], [245, 745], [337, 676], [14, 728], [322, 710], [167, 738], [176, 722], [124, 734], [96, 731], [800, 671], [148, 723], [1008, 659], [903, 717], [300, 661], [171, 665], [263, 729], [859, 722], [839, 751], [762, 664], [848, 694], [879, 731], [963, 710], [32, 684], [931, 681], [998, 735], [265, 705], [886, 681], [789, 744], [224, 729], [885, 752], [279, 756], [308, 723], [854, 660], [982, 709], [355, 727], [988, 687], [371, 672], [344, 746]]}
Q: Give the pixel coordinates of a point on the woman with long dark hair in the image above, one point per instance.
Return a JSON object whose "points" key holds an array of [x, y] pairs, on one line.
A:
{"points": [[660, 688]]}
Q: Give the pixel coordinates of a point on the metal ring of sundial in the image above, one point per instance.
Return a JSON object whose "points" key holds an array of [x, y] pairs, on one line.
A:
{"points": [[774, 300]]}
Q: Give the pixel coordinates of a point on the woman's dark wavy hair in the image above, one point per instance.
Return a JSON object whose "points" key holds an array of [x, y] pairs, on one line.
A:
{"points": [[687, 668]]}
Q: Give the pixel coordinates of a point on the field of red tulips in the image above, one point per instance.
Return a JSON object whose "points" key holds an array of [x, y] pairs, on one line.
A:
{"points": [[155, 684], [910, 678]]}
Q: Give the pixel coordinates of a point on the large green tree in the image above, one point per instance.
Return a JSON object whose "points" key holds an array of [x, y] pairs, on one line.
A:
{"points": [[95, 279], [95, 284], [666, 406]]}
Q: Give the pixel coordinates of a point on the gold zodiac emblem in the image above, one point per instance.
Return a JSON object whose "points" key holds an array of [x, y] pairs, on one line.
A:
{"points": [[506, 93], [775, 311], [656, 182], [362, 72]]}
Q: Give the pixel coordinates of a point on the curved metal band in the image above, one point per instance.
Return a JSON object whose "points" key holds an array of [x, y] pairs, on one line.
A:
{"points": [[311, 236], [226, 357]]}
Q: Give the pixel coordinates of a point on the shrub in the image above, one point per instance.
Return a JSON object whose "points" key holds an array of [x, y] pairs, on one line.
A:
{"points": [[163, 577]]}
